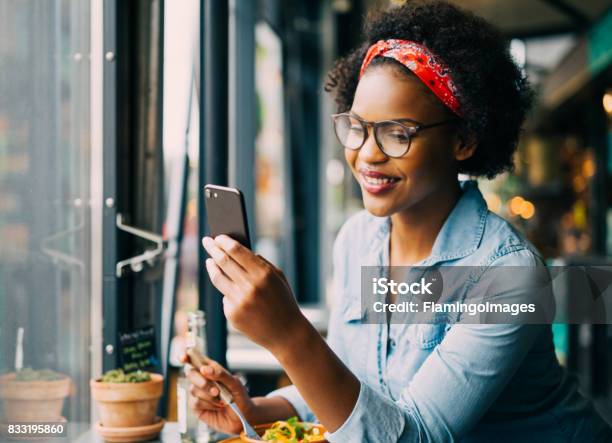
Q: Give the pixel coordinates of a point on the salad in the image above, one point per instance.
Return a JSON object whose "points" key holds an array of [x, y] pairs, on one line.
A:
{"points": [[293, 431]]}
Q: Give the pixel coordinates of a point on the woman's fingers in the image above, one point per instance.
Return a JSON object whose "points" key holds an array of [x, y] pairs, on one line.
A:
{"points": [[199, 404], [203, 380], [241, 255], [219, 279], [214, 371], [204, 389], [225, 261], [209, 396], [196, 379], [199, 380]]}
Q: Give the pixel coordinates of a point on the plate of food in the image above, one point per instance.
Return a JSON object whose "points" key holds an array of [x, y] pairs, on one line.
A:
{"points": [[291, 430]]}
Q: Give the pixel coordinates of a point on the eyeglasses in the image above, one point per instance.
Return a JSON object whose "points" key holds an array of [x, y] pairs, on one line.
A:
{"points": [[392, 136]]}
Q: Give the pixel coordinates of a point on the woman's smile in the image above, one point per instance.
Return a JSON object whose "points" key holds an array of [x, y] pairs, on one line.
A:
{"points": [[376, 182]]}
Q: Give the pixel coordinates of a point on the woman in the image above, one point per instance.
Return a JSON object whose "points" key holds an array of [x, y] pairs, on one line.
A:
{"points": [[433, 92]]}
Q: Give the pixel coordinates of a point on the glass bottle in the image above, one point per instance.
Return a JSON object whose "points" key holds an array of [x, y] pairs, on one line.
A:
{"points": [[197, 338], [187, 421]]}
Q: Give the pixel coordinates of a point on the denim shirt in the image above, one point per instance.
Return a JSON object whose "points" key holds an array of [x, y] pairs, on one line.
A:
{"points": [[442, 382]]}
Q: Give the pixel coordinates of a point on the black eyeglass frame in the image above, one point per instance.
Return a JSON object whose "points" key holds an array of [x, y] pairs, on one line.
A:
{"points": [[365, 124]]}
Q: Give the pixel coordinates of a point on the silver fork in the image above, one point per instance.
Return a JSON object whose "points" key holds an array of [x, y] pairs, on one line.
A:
{"points": [[248, 430], [199, 360]]}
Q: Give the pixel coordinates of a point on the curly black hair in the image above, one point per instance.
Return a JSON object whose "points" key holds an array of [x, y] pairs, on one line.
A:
{"points": [[493, 91]]}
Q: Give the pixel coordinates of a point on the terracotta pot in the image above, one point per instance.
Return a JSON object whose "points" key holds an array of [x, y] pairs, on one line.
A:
{"points": [[124, 405], [261, 429], [38, 400]]}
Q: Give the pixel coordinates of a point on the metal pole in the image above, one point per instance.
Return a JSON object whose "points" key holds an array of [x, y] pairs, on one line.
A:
{"points": [[213, 153], [111, 309]]}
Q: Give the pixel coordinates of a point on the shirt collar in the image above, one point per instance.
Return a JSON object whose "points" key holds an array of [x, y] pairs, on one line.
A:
{"points": [[461, 233]]}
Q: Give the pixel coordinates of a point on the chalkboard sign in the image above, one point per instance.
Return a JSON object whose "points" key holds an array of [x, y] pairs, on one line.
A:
{"points": [[137, 350]]}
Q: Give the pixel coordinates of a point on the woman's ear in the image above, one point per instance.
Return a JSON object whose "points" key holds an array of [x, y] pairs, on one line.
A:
{"points": [[465, 146]]}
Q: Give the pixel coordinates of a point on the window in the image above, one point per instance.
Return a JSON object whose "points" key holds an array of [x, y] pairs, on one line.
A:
{"points": [[270, 184], [45, 175]]}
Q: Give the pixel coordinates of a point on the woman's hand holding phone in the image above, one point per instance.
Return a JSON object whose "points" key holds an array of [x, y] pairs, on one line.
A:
{"points": [[257, 298], [259, 303]]}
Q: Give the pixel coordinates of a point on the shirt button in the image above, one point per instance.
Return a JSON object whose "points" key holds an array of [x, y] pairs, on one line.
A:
{"points": [[392, 343]]}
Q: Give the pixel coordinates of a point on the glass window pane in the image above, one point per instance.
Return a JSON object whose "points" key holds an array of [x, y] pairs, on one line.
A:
{"points": [[270, 183], [45, 193], [181, 140]]}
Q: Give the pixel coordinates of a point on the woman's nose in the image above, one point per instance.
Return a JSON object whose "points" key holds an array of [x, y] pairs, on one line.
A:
{"points": [[370, 152]]}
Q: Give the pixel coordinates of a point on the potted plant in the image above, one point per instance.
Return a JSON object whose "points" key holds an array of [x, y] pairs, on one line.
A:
{"points": [[128, 402], [33, 395]]}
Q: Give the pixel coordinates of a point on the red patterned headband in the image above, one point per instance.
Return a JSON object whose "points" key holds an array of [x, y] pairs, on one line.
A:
{"points": [[416, 57]]}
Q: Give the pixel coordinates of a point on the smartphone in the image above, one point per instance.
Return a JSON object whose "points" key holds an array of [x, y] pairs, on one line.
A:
{"points": [[226, 214]]}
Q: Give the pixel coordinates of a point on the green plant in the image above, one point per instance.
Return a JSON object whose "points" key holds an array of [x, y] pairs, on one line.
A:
{"points": [[29, 374], [118, 376]]}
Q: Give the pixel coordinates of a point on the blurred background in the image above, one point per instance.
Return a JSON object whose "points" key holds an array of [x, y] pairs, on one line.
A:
{"points": [[113, 115]]}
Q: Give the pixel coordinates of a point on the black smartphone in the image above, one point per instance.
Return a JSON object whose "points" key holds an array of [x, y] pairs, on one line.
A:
{"points": [[226, 214]]}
